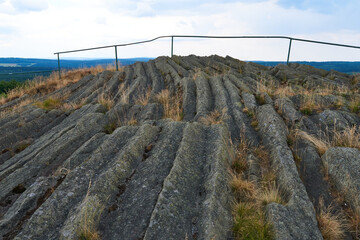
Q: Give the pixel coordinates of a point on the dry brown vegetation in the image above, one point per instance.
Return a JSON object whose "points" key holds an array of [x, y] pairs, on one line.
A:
{"points": [[251, 197], [349, 137], [42, 86], [106, 100], [214, 117], [172, 104], [331, 225], [89, 218], [143, 99], [309, 103]]}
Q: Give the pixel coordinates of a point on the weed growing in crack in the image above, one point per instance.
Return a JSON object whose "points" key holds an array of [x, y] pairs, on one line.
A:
{"points": [[106, 100], [349, 137], [49, 104], [248, 210], [331, 225], [172, 104], [89, 217], [215, 117]]}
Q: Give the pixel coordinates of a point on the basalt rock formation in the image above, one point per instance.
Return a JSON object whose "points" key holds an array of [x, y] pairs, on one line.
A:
{"points": [[147, 152]]}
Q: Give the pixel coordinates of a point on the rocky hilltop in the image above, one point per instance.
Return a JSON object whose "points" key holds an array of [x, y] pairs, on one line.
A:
{"points": [[184, 148]]}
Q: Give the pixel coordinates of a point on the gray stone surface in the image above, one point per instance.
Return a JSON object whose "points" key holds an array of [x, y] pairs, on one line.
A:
{"points": [[296, 219], [343, 167], [163, 179]]}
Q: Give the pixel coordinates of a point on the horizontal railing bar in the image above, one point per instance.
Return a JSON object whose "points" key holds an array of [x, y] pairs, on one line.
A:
{"points": [[111, 46], [326, 43], [218, 37]]}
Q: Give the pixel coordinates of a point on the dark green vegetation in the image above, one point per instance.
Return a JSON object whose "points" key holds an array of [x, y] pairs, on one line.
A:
{"points": [[345, 67], [6, 86], [27, 65]]}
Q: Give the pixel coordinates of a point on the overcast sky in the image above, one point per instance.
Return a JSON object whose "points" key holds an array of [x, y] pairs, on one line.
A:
{"points": [[38, 28]]}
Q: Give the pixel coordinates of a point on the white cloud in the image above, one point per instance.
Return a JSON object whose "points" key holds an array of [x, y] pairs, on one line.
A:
{"points": [[66, 25], [29, 5]]}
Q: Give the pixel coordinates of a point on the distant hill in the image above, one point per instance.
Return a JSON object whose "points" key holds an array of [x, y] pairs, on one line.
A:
{"points": [[345, 67], [25, 65]]}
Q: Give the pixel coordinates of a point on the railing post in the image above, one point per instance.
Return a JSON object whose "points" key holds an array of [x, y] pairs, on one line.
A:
{"points": [[59, 65], [172, 46], [117, 65], [288, 57]]}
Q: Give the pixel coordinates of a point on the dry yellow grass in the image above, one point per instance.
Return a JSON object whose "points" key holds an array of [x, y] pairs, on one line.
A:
{"points": [[106, 100], [89, 217], [74, 105], [197, 74], [248, 210], [284, 91], [243, 187], [172, 104], [123, 92], [309, 104], [332, 226], [270, 193], [321, 145], [266, 85], [41, 86], [354, 104], [214, 117], [50, 103], [144, 98], [349, 137]]}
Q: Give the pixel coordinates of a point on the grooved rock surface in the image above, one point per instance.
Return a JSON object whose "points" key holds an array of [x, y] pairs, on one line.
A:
{"points": [[145, 153]]}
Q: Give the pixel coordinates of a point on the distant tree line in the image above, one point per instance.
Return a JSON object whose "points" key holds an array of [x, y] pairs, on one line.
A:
{"points": [[6, 86]]}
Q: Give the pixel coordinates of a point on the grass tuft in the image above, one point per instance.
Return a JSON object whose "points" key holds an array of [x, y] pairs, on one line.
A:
{"points": [[144, 98], [106, 100], [270, 194], [250, 223], [332, 226], [215, 117], [172, 104], [49, 104], [249, 217], [349, 137]]}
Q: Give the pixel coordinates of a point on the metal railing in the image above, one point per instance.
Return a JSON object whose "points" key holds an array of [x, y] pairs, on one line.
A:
{"points": [[198, 36]]}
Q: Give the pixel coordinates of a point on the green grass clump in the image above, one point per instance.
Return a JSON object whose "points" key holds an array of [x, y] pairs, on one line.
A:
{"points": [[110, 128], [49, 104], [354, 105], [250, 223]]}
